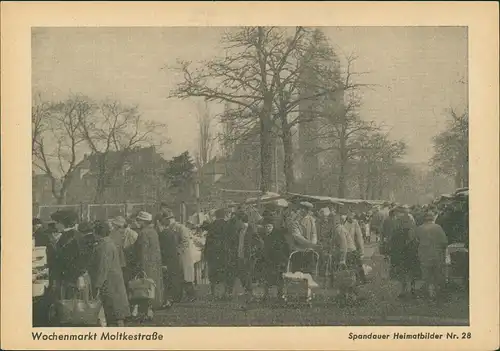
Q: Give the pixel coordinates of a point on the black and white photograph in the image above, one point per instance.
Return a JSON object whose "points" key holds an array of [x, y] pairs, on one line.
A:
{"points": [[250, 176], [231, 175]]}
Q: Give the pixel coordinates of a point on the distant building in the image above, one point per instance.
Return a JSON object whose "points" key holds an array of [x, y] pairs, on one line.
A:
{"points": [[137, 176]]}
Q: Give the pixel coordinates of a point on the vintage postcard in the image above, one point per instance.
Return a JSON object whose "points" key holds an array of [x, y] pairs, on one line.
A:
{"points": [[250, 175]]}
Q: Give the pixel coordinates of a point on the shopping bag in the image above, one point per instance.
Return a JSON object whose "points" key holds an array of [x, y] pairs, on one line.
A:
{"points": [[345, 278], [141, 287], [367, 269], [80, 310]]}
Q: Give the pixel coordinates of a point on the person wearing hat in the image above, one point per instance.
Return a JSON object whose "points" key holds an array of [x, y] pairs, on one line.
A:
{"points": [[308, 222], [403, 253], [432, 243], [388, 228], [38, 234], [301, 261], [71, 257], [149, 261], [164, 212], [355, 244], [241, 245], [214, 252], [181, 237], [275, 255], [123, 240], [107, 278], [173, 275]]}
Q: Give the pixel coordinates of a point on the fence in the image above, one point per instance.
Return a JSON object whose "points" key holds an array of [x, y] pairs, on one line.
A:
{"points": [[92, 212], [45, 211]]}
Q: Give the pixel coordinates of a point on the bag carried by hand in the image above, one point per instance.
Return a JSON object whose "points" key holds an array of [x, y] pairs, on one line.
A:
{"points": [[141, 287], [82, 309], [345, 278]]}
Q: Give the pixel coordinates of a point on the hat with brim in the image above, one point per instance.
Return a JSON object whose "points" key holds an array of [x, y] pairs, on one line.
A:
{"points": [[144, 216], [65, 217], [307, 205], [119, 221]]}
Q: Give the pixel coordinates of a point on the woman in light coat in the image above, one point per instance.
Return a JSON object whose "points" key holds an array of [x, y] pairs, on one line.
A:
{"points": [[186, 251]]}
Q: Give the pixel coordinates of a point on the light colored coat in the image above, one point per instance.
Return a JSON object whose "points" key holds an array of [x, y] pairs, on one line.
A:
{"points": [[354, 237], [106, 274], [186, 249], [432, 243], [309, 232], [294, 236]]}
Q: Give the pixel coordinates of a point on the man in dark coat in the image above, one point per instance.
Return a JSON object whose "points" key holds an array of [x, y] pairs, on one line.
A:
{"points": [[403, 247], [242, 243], [107, 278], [214, 251], [275, 255], [39, 233], [149, 260], [172, 272]]}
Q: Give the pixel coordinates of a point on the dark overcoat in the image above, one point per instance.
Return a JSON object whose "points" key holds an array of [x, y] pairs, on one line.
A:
{"points": [[215, 251], [149, 260], [106, 275]]}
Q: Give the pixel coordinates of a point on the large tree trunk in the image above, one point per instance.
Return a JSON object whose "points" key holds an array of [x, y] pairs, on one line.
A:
{"points": [[342, 169], [288, 160], [266, 150], [60, 199], [101, 179], [342, 180]]}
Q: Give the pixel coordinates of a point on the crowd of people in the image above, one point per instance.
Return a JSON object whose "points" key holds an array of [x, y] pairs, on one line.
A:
{"points": [[242, 244], [101, 258]]}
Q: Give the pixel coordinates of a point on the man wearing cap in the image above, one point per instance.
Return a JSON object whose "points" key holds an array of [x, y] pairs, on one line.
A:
{"points": [[183, 240], [214, 252], [403, 253], [432, 243], [354, 244], [118, 237], [124, 239], [241, 243], [308, 222], [301, 261], [149, 260], [165, 211], [71, 258], [38, 233]]}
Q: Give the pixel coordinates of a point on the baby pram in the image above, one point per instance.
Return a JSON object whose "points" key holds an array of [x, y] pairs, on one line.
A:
{"points": [[299, 285]]}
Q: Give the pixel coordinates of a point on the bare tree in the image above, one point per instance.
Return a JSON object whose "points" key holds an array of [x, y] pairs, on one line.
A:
{"points": [[40, 113], [376, 162], [259, 64], [206, 138], [112, 133], [342, 128], [57, 140], [451, 148], [311, 74]]}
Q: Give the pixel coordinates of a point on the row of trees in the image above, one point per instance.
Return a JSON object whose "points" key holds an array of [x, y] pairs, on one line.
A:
{"points": [[64, 132], [272, 80], [451, 149]]}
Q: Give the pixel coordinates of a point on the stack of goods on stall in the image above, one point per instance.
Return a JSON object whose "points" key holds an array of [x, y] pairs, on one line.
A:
{"points": [[40, 271]]}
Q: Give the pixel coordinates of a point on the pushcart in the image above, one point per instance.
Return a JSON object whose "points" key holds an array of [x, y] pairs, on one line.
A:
{"points": [[299, 286]]}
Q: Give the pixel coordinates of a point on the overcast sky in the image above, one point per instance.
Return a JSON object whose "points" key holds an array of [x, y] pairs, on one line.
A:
{"points": [[418, 70]]}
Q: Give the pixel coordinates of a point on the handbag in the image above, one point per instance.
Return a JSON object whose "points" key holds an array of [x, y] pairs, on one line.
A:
{"points": [[345, 278], [141, 287], [80, 310]]}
